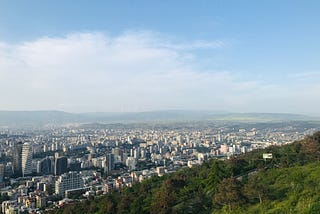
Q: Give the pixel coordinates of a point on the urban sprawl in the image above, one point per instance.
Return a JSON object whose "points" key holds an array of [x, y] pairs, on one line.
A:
{"points": [[46, 168]]}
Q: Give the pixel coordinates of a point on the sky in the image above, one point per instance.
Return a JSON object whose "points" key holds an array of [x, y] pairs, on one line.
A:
{"points": [[134, 56]]}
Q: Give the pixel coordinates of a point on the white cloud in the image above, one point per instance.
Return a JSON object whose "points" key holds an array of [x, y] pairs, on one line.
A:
{"points": [[134, 71]]}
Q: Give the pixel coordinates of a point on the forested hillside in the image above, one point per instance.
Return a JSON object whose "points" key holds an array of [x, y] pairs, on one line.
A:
{"points": [[288, 183]]}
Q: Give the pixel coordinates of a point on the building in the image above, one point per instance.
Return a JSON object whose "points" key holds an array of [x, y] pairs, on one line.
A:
{"points": [[76, 192], [2, 171], [26, 160], [22, 159], [110, 165], [160, 171], [17, 160], [45, 166], [68, 181], [41, 201], [9, 207], [224, 149], [60, 165], [131, 163], [74, 165]]}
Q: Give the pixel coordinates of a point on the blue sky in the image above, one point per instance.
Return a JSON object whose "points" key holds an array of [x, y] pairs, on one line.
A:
{"points": [[80, 56]]}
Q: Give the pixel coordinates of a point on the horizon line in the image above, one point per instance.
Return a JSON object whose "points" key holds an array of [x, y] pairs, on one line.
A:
{"points": [[163, 110]]}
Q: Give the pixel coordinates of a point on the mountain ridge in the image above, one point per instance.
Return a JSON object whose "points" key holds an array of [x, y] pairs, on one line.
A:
{"points": [[61, 117]]}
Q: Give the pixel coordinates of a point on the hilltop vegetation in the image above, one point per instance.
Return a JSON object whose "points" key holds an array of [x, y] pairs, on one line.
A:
{"points": [[289, 183]]}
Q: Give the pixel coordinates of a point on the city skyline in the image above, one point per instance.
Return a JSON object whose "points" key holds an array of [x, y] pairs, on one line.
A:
{"points": [[141, 56]]}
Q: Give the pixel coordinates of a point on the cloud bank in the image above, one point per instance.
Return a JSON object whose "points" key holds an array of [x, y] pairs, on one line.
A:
{"points": [[134, 71]]}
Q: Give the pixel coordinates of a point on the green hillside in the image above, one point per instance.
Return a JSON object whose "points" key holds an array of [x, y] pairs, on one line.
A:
{"points": [[289, 183]]}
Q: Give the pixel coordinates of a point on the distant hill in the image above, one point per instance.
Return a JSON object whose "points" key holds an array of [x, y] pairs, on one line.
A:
{"points": [[13, 118], [20, 118], [263, 117]]}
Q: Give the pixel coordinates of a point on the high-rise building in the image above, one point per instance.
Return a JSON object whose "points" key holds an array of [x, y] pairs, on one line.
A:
{"points": [[45, 166], [60, 165], [2, 171], [17, 160], [26, 159], [109, 163], [68, 181]]}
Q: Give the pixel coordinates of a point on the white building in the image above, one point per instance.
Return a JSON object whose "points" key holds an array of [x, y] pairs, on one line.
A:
{"points": [[131, 163], [68, 181], [26, 159]]}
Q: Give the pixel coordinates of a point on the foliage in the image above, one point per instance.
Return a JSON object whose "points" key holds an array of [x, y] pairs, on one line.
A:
{"points": [[229, 193]]}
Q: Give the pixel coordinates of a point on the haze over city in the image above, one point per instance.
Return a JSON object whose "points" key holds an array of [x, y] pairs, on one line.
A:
{"points": [[106, 56]]}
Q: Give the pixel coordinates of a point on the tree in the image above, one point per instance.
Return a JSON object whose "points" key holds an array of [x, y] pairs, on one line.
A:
{"points": [[311, 146], [229, 193], [218, 171], [107, 205], [237, 166], [164, 199], [255, 189]]}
